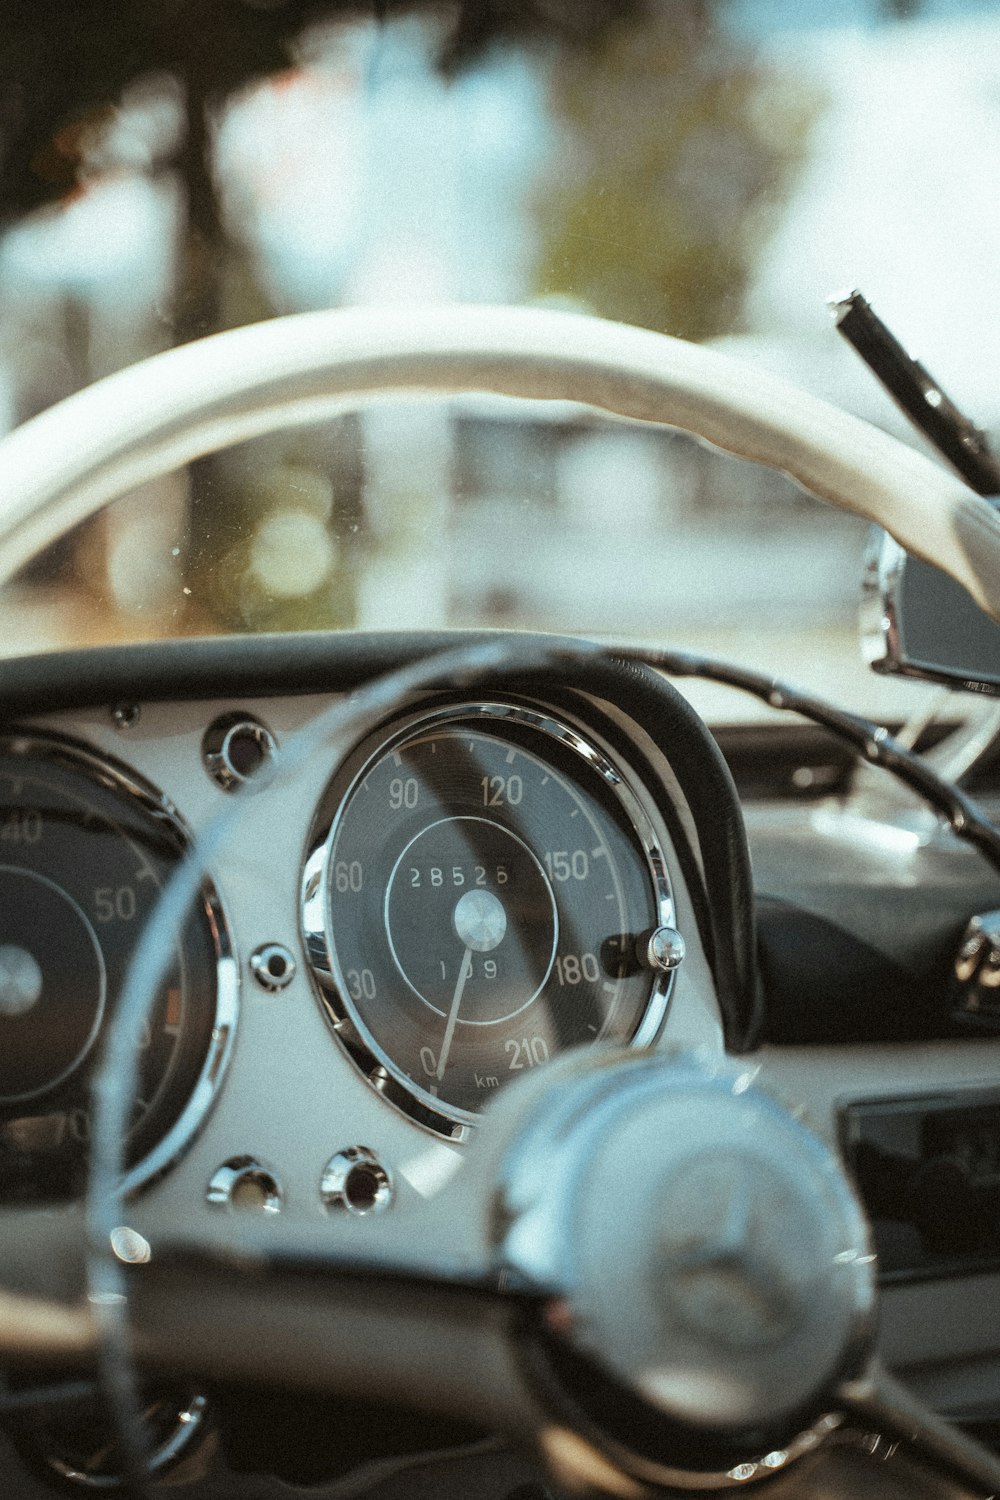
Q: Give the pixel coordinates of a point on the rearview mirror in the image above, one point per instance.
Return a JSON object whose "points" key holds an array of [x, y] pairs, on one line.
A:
{"points": [[917, 622]]}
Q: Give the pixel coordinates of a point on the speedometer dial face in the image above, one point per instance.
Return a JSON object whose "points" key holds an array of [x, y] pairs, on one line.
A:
{"points": [[481, 902], [84, 853]]}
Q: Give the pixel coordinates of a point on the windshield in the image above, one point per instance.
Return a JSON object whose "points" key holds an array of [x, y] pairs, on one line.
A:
{"points": [[714, 169]]}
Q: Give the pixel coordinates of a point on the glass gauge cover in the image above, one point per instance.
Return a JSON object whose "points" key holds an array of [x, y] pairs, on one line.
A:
{"points": [[84, 852], [479, 901]]}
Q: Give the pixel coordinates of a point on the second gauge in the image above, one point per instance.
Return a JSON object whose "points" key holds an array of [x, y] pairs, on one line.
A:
{"points": [[480, 899]]}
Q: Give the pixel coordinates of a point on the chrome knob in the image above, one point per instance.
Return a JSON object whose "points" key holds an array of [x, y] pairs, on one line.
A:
{"points": [[665, 949]]}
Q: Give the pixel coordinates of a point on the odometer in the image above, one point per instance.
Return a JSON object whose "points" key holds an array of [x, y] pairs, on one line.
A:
{"points": [[480, 899]]}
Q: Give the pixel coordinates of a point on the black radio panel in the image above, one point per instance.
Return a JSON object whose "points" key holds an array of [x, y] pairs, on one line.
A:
{"points": [[928, 1172]]}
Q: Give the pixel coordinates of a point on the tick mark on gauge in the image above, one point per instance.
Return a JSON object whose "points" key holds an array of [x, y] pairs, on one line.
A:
{"points": [[511, 757], [608, 988], [545, 780], [397, 759], [599, 853], [145, 873]]}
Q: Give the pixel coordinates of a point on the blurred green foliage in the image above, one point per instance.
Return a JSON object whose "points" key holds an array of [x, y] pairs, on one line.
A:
{"points": [[315, 471], [676, 151], [671, 150]]}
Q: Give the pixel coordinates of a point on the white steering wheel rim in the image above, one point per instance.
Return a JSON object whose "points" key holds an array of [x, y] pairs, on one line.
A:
{"points": [[155, 416]]}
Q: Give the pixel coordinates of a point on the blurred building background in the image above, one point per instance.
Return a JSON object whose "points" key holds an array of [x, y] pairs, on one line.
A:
{"points": [[710, 168]]}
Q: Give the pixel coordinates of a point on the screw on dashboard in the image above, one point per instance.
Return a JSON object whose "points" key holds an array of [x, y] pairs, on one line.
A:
{"points": [[125, 715]]}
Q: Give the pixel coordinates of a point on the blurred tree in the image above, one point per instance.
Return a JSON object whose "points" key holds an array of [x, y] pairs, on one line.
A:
{"points": [[64, 65], [69, 70], [63, 68], [676, 148], [672, 150]]}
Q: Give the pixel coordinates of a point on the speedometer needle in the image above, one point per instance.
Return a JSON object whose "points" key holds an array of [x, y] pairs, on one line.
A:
{"points": [[449, 1031]]}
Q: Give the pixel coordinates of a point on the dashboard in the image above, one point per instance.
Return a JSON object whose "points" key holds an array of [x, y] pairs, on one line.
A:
{"points": [[392, 928], [383, 941]]}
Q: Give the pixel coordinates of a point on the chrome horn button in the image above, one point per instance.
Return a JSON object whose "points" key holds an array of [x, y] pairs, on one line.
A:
{"points": [[705, 1251], [731, 1274]]}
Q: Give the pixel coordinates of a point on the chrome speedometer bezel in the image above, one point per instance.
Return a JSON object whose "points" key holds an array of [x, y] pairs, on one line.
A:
{"points": [[581, 740], [36, 745]]}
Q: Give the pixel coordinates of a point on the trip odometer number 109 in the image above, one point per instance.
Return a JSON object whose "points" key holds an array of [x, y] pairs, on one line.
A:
{"points": [[487, 880]]}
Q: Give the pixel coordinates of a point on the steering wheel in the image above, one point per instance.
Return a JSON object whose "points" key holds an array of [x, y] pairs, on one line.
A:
{"points": [[714, 1328]]}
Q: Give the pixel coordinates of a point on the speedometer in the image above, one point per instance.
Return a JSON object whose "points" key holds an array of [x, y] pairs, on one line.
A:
{"points": [[481, 895], [85, 851]]}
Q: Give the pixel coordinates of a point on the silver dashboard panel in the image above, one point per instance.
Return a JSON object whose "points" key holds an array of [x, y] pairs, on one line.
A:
{"points": [[292, 1100]]}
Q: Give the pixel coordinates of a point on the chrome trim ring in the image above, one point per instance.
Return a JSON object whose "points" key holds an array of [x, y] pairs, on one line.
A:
{"points": [[361, 1046], [355, 1181], [228, 1184]]}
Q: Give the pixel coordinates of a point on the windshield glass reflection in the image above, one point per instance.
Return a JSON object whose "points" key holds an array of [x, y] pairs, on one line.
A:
{"points": [[709, 168]]}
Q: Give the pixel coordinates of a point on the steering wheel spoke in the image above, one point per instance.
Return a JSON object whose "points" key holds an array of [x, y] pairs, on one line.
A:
{"points": [[722, 1334], [878, 1404]]}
